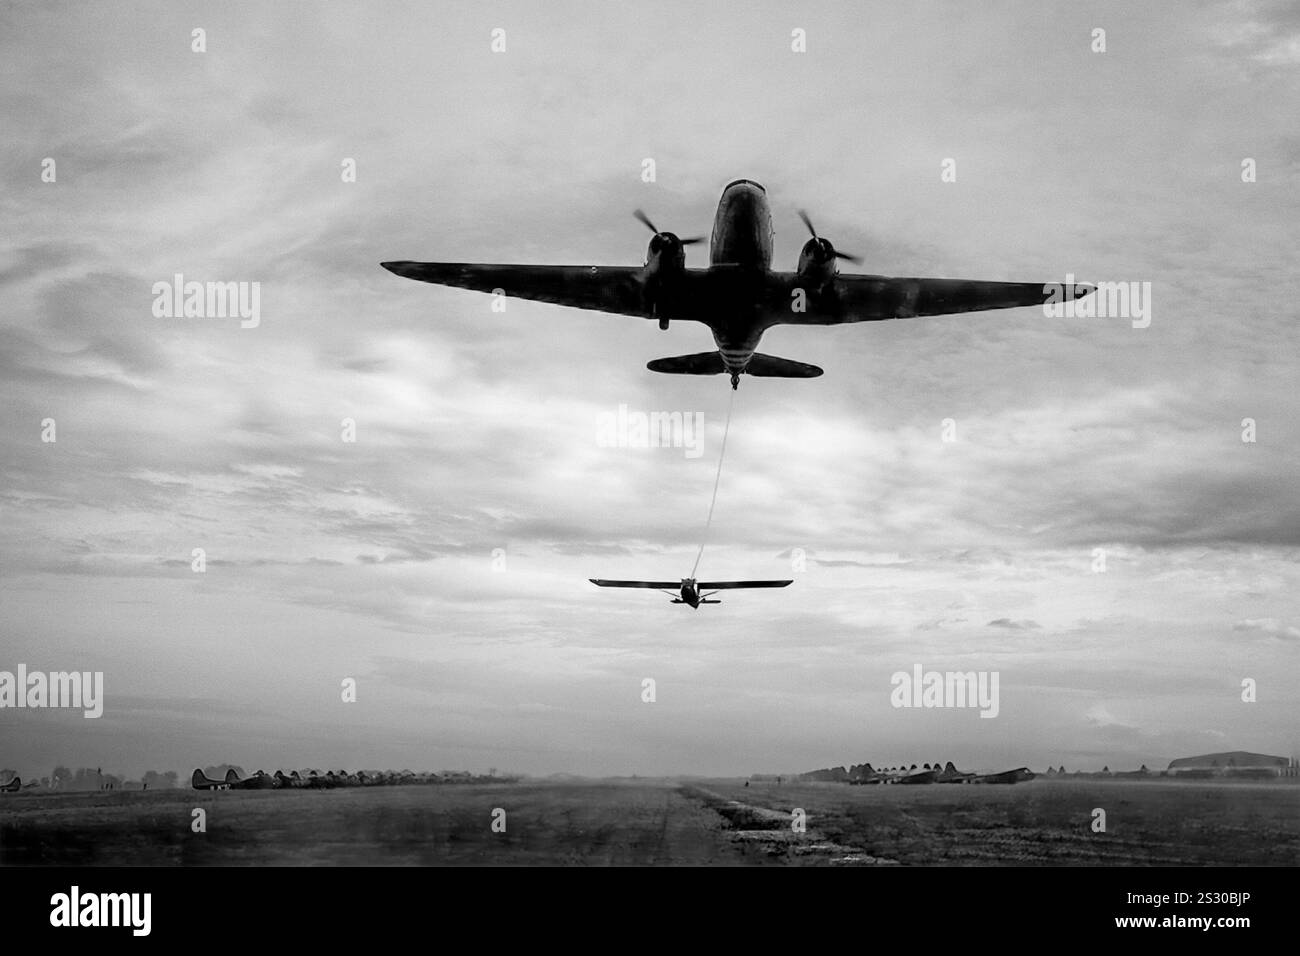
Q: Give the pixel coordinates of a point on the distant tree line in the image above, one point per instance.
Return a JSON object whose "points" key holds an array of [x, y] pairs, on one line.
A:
{"points": [[94, 778]]}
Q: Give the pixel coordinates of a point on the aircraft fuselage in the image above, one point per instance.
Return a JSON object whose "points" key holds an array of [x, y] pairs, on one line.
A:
{"points": [[741, 249], [690, 595], [742, 228]]}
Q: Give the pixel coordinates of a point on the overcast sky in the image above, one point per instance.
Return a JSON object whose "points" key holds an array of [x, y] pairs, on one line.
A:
{"points": [[476, 430]]}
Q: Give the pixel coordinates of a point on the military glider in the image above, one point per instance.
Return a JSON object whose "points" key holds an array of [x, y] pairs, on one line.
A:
{"points": [[688, 590]]}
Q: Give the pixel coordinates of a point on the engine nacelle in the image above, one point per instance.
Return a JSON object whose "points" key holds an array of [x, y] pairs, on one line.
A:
{"points": [[819, 260], [818, 264], [665, 262], [666, 253], [665, 259]]}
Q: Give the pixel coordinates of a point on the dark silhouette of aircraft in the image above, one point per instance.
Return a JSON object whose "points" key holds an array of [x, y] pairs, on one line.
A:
{"points": [[201, 781], [1006, 776], [258, 781], [915, 776], [951, 774], [690, 591], [738, 296], [867, 774], [293, 780]]}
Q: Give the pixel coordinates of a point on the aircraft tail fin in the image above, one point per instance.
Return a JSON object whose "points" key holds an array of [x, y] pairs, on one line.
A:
{"points": [[701, 363], [769, 366]]}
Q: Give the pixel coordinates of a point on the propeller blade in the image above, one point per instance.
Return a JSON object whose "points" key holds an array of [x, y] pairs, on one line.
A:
{"points": [[645, 219], [808, 222], [856, 260], [691, 241]]}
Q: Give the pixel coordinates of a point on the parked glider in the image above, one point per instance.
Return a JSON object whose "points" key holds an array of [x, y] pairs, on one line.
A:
{"points": [[1006, 776], [951, 774], [201, 781]]}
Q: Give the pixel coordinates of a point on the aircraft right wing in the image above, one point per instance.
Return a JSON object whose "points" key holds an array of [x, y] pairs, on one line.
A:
{"points": [[658, 585], [869, 298], [731, 585]]}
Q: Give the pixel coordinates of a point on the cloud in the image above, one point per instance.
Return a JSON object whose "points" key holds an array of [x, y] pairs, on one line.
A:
{"points": [[1099, 716], [1269, 627], [475, 429]]}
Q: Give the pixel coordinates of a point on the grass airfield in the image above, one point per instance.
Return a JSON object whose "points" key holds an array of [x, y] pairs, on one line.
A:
{"points": [[665, 823]]}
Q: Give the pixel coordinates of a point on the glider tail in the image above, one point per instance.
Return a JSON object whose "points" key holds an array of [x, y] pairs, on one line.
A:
{"points": [[711, 363]]}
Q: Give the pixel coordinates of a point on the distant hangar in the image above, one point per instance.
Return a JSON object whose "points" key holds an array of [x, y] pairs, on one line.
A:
{"points": [[1235, 763]]}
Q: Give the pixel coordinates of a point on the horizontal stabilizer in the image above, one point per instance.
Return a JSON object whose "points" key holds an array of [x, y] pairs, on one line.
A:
{"points": [[710, 363], [769, 366], [730, 585], [701, 363], [662, 585]]}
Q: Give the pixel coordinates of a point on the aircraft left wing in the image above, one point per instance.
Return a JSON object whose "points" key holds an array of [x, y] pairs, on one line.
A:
{"points": [[870, 298], [616, 289], [659, 585], [731, 585]]}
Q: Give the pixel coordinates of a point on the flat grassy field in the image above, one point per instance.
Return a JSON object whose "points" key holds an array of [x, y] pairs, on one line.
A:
{"points": [[664, 822], [1149, 823], [546, 823]]}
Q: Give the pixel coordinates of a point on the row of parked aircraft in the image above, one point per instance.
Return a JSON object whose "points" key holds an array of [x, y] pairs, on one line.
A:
{"points": [[314, 780], [866, 774], [265, 781]]}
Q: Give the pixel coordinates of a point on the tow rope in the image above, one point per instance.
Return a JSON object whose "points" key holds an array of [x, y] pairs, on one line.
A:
{"points": [[717, 478]]}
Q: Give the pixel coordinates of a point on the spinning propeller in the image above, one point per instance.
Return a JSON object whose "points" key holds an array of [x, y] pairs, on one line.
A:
{"points": [[662, 240], [825, 251]]}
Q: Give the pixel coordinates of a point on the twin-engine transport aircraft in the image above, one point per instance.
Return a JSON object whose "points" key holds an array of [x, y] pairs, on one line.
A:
{"points": [[738, 296], [692, 593]]}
